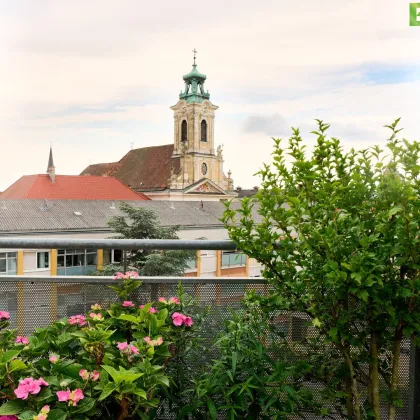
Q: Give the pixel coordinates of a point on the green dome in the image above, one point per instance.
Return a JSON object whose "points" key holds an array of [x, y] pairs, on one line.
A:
{"points": [[195, 74]]}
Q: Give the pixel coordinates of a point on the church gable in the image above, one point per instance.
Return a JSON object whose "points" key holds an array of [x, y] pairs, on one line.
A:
{"points": [[204, 186]]}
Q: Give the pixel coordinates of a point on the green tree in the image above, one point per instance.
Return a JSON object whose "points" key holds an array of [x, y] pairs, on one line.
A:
{"points": [[338, 236], [141, 223]]}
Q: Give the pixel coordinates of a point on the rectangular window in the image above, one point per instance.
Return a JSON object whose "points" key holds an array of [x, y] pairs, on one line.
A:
{"points": [[8, 263], [42, 260], [233, 258], [76, 262]]}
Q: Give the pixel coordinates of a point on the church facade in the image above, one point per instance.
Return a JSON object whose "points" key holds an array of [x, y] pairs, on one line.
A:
{"points": [[191, 168]]}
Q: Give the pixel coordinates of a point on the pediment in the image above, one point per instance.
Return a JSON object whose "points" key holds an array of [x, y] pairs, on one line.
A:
{"points": [[204, 186]]}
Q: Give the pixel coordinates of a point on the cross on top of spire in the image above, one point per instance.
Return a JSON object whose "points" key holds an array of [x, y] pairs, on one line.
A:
{"points": [[195, 53]]}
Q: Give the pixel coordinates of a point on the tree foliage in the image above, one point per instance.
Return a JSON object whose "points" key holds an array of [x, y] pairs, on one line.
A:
{"points": [[141, 223], [338, 236]]}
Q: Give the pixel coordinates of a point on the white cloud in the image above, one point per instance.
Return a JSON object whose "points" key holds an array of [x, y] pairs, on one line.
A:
{"points": [[94, 76]]}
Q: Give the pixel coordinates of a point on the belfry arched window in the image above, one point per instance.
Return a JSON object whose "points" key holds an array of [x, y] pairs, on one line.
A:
{"points": [[203, 130], [184, 131]]}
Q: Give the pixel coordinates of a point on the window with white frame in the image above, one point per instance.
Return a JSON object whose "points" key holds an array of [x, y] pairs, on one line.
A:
{"points": [[42, 260], [8, 263]]}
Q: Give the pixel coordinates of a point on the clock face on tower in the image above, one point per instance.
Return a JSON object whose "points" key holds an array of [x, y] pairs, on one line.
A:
{"points": [[204, 168]]}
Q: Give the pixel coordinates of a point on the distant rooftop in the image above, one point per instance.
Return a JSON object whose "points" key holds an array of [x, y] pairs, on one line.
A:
{"points": [[70, 187]]}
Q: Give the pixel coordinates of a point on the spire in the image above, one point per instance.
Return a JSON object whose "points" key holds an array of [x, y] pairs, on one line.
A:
{"points": [[194, 85], [51, 167]]}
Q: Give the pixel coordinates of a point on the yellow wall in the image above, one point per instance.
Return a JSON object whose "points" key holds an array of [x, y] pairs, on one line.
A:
{"points": [[100, 259], [53, 262]]}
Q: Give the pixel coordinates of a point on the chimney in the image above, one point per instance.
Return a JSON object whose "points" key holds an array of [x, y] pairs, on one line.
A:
{"points": [[255, 188], [51, 167]]}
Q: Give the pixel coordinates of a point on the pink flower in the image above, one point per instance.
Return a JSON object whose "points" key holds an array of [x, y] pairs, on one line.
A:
{"points": [[162, 300], [77, 320], [84, 374], [8, 418], [94, 375], [45, 409], [72, 397], [188, 321], [96, 307], [156, 342], [21, 340], [174, 300], [40, 417], [180, 319], [141, 306], [96, 317], [152, 310], [128, 304], [122, 346], [132, 274], [29, 386], [4, 315], [53, 358], [134, 349], [63, 395]]}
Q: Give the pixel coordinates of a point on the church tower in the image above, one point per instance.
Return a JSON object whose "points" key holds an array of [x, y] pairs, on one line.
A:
{"points": [[194, 141]]}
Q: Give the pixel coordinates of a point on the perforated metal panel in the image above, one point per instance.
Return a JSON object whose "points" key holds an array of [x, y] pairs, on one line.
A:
{"points": [[34, 303]]}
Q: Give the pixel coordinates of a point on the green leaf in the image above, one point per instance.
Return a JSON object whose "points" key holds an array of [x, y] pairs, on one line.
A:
{"points": [[333, 332], [12, 407], [212, 409], [16, 365], [141, 393], [57, 414], [115, 375], [364, 295], [27, 415], [162, 314], [130, 318], [9, 355], [108, 390], [85, 405], [316, 322], [234, 361]]}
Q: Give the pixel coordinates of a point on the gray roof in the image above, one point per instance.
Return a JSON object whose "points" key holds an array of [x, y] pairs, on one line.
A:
{"points": [[32, 216]]}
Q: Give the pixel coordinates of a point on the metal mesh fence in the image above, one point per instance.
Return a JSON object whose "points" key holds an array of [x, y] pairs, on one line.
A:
{"points": [[34, 304]]}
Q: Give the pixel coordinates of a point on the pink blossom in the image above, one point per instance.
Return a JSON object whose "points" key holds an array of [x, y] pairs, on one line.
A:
{"points": [[4, 315], [77, 320], [162, 300], [128, 303], [45, 409], [179, 319], [73, 397], [40, 417], [53, 358], [152, 310], [29, 386], [188, 321], [134, 349], [132, 274], [84, 374], [94, 375], [156, 342], [96, 307], [21, 340], [122, 346], [174, 300], [96, 317], [8, 418], [141, 306], [63, 395]]}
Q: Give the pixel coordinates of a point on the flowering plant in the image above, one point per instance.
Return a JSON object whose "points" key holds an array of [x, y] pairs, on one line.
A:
{"points": [[109, 363]]}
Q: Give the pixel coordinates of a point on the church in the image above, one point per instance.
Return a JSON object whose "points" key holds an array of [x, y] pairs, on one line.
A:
{"points": [[190, 169]]}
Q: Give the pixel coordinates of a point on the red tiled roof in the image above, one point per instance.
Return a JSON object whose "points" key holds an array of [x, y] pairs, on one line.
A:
{"points": [[145, 169], [71, 187]]}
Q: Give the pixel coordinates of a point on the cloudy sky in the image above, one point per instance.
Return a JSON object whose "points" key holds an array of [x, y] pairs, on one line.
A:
{"points": [[94, 77]]}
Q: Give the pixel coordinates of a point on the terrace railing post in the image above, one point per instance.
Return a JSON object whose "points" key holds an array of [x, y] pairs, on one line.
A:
{"points": [[414, 399]]}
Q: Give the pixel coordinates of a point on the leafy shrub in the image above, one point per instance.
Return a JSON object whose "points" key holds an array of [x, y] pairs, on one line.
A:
{"points": [[247, 380], [109, 363]]}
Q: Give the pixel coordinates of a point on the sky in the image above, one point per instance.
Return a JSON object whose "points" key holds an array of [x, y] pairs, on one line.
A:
{"points": [[96, 78]]}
